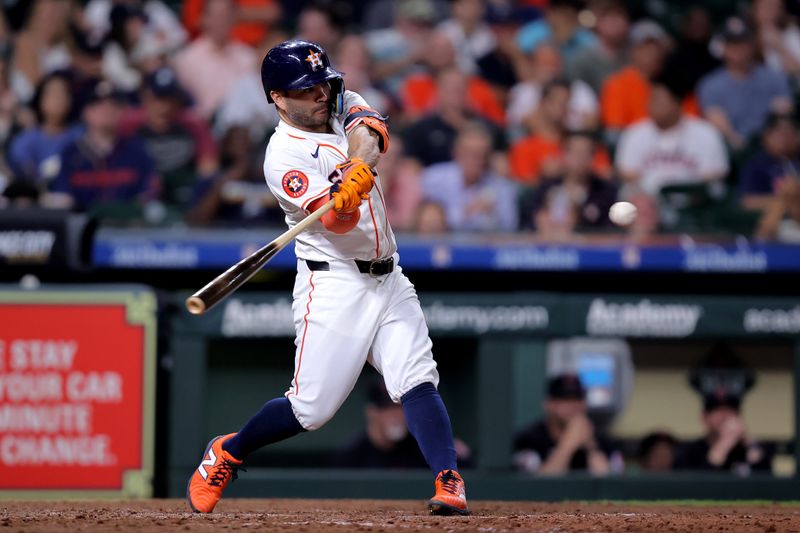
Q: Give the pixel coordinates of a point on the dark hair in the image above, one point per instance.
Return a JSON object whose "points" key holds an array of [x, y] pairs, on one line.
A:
{"points": [[591, 135], [119, 17], [674, 82], [550, 86], [650, 441], [577, 5], [377, 395], [566, 387], [38, 95], [775, 118]]}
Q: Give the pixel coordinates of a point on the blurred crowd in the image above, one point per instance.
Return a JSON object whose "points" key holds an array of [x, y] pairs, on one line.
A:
{"points": [[506, 116]]}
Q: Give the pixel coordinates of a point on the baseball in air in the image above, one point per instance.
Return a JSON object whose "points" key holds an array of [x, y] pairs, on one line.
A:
{"points": [[622, 213]]}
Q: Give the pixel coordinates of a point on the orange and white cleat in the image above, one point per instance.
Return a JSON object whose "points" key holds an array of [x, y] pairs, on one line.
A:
{"points": [[216, 470], [450, 497]]}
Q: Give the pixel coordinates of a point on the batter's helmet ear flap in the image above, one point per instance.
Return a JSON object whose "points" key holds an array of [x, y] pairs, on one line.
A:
{"points": [[337, 96]]}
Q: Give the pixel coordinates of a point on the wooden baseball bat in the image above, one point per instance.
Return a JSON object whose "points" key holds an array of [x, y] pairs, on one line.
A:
{"points": [[233, 278]]}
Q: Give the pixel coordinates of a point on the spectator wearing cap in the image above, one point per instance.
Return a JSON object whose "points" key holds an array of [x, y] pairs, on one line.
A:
{"points": [[34, 154], [100, 171], [726, 446], [625, 97], [474, 197], [770, 180], [560, 25], [670, 147], [565, 439], [540, 154], [213, 62], [386, 442], [778, 35], [470, 36], [767, 172], [178, 141], [430, 139], [500, 67], [738, 96], [596, 63], [419, 93], [576, 199]]}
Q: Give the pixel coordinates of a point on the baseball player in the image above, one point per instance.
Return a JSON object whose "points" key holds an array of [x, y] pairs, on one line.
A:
{"points": [[352, 302]]}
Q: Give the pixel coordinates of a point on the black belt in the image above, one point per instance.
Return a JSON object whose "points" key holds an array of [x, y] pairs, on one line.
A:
{"points": [[373, 268]]}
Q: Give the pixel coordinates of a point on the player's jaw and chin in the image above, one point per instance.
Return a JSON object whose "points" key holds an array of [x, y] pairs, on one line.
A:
{"points": [[304, 109]]}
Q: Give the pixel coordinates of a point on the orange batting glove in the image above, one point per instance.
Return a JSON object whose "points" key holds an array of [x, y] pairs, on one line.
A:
{"points": [[357, 181]]}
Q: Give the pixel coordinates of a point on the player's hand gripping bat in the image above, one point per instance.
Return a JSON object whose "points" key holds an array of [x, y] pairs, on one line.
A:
{"points": [[235, 276]]}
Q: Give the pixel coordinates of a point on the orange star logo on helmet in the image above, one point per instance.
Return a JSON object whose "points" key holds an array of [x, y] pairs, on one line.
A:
{"points": [[315, 58]]}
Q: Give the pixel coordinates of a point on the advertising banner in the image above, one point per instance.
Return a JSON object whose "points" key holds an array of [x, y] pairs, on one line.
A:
{"points": [[77, 391], [249, 314]]}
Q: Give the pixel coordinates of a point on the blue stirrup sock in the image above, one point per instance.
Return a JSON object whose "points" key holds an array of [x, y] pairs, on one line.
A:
{"points": [[274, 422], [427, 420]]}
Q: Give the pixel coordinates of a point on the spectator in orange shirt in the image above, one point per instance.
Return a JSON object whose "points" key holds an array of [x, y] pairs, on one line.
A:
{"points": [[253, 21], [540, 154], [625, 95], [419, 95]]}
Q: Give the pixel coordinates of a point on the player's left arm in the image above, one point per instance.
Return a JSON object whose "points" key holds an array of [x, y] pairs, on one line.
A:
{"points": [[363, 144], [366, 129]]}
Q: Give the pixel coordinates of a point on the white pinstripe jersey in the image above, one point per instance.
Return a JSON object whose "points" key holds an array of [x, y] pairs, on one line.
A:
{"points": [[300, 167]]}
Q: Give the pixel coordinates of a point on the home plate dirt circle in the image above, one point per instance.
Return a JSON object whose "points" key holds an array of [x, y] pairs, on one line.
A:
{"points": [[392, 516]]}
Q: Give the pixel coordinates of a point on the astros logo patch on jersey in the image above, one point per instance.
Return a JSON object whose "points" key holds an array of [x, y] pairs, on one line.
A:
{"points": [[295, 183], [315, 58]]}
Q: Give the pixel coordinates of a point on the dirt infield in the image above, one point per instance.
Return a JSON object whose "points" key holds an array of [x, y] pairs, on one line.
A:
{"points": [[405, 516]]}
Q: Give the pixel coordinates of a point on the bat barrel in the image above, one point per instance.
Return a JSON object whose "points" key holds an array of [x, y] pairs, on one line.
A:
{"points": [[230, 280], [195, 305]]}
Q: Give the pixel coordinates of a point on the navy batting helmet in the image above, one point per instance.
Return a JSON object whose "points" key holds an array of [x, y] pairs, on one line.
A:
{"points": [[299, 65]]}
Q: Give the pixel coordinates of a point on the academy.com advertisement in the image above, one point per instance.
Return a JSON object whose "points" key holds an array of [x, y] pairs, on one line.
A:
{"points": [[72, 396], [538, 314]]}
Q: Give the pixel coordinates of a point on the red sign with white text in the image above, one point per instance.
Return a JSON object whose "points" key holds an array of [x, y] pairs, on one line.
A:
{"points": [[72, 384]]}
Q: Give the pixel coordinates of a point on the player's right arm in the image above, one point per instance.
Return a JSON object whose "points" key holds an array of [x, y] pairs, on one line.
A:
{"points": [[299, 185]]}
